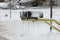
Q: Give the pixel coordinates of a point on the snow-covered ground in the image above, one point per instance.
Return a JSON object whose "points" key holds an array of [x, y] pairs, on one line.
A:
{"points": [[15, 29]]}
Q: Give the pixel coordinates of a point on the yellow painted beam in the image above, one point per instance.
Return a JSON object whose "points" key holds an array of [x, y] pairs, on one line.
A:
{"points": [[52, 26], [43, 19], [46, 21]]}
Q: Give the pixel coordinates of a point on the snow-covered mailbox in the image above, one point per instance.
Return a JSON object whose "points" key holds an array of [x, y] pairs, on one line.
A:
{"points": [[30, 15]]}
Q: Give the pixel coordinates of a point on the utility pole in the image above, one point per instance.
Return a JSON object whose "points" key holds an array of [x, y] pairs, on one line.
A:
{"points": [[10, 8], [51, 13]]}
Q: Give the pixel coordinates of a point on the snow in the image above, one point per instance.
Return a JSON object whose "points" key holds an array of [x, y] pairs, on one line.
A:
{"points": [[4, 5], [15, 29]]}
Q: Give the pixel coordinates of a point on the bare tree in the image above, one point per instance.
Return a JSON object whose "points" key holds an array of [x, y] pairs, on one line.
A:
{"points": [[41, 2], [1, 0]]}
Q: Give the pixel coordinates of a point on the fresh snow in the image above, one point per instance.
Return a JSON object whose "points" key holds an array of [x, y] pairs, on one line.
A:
{"points": [[15, 29]]}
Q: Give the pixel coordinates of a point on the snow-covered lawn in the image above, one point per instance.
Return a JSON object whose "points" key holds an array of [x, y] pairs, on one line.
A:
{"points": [[15, 29], [18, 30]]}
